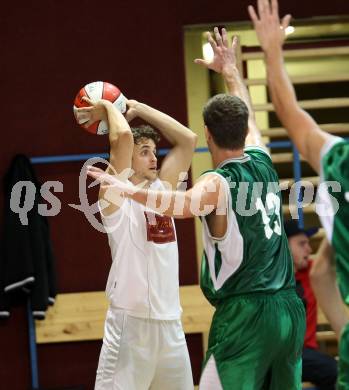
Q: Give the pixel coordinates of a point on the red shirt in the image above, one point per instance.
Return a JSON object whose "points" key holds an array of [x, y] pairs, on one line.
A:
{"points": [[302, 277]]}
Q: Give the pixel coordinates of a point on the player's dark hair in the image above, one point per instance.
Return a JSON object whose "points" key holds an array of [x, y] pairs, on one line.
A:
{"points": [[226, 118], [144, 132]]}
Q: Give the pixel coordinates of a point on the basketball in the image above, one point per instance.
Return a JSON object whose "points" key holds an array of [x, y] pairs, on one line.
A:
{"points": [[96, 91]]}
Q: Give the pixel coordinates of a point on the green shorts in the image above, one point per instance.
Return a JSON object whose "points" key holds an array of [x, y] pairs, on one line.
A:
{"points": [[343, 371], [256, 342]]}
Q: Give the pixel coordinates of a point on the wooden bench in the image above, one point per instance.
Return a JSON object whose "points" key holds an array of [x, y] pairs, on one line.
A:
{"points": [[80, 316]]}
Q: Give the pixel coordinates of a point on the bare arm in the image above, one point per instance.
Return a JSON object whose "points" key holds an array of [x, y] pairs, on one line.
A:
{"points": [[323, 281], [121, 149], [225, 63], [302, 129], [183, 140], [205, 197], [120, 139]]}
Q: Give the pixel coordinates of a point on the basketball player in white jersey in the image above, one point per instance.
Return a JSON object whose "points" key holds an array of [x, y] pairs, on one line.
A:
{"points": [[144, 345]]}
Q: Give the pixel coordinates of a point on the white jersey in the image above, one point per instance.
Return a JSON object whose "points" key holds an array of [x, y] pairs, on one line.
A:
{"points": [[143, 279]]}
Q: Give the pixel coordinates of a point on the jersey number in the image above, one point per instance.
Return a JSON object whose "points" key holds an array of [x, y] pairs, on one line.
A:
{"points": [[273, 205]]}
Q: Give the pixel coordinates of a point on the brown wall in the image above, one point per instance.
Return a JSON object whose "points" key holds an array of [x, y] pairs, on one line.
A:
{"points": [[48, 51]]}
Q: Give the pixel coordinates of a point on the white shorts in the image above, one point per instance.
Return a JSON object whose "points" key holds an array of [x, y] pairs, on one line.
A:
{"points": [[139, 353]]}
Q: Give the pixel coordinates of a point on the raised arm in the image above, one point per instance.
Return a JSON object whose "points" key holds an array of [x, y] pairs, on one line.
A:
{"points": [[324, 283], [120, 139], [302, 129], [183, 140], [225, 63]]}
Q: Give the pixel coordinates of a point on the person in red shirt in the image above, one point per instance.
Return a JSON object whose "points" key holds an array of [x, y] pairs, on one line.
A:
{"points": [[318, 368]]}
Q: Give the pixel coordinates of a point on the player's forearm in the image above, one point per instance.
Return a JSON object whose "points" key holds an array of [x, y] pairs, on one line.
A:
{"points": [[328, 296], [206, 196], [163, 202], [172, 130], [282, 92], [300, 126], [118, 125], [324, 283], [175, 204], [236, 86]]}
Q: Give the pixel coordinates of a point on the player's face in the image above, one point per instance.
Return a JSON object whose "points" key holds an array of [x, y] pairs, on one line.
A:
{"points": [[300, 250], [144, 161]]}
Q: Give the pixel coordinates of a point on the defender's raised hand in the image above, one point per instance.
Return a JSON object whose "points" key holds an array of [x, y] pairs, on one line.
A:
{"points": [[224, 59], [270, 31]]}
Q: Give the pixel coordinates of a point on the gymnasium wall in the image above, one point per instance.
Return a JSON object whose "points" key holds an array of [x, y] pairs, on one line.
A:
{"points": [[49, 50]]}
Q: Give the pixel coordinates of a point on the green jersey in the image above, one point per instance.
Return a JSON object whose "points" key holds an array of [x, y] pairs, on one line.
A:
{"points": [[253, 256], [333, 206]]}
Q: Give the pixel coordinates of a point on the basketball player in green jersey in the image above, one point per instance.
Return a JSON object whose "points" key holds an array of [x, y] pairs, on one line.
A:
{"points": [[257, 332], [328, 155]]}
